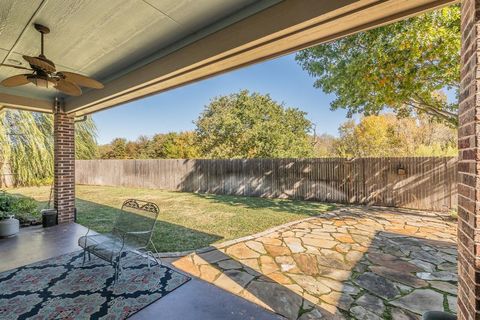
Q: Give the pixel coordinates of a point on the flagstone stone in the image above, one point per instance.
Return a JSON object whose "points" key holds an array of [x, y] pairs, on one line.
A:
{"points": [[198, 260], [390, 261], [280, 277], [312, 250], [312, 315], [208, 272], [400, 314], [186, 264], [447, 266], [307, 263], [276, 251], [309, 298], [338, 299], [294, 244], [251, 263], [371, 303], [337, 274], [281, 299], [399, 276], [343, 248], [227, 283], [295, 288], [343, 238], [270, 241], [331, 283], [329, 310], [439, 275], [423, 265], [256, 246], [213, 256], [452, 303], [427, 257], [241, 251], [377, 285], [360, 313], [349, 288], [287, 234], [333, 259], [354, 256], [420, 301], [229, 264], [252, 298], [344, 262], [444, 286], [268, 265], [320, 243], [310, 284]]}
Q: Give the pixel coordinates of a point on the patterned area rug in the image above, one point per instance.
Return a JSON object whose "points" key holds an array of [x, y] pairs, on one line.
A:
{"points": [[60, 288]]}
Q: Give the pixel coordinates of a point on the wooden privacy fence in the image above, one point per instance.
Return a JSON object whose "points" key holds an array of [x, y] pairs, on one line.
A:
{"points": [[427, 183]]}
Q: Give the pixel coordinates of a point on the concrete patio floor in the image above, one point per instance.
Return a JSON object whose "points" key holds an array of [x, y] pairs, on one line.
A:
{"points": [[194, 300], [352, 263]]}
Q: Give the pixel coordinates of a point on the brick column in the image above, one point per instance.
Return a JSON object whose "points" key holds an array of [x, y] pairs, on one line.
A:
{"points": [[64, 166], [469, 165]]}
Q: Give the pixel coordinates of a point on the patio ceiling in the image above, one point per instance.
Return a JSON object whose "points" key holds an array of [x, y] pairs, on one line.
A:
{"points": [[141, 47]]}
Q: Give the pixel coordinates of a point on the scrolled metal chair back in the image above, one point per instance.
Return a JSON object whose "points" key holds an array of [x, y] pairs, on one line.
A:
{"points": [[136, 222]]}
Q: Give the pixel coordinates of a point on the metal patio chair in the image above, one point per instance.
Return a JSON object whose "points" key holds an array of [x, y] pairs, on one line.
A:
{"points": [[132, 231]]}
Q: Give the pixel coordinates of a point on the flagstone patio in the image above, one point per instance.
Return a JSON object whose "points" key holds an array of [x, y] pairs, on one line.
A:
{"points": [[355, 262]]}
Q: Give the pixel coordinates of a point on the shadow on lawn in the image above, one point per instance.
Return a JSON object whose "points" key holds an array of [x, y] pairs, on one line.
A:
{"points": [[309, 208], [168, 237]]}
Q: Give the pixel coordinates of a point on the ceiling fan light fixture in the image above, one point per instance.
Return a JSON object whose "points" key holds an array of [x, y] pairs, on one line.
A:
{"points": [[41, 81]]}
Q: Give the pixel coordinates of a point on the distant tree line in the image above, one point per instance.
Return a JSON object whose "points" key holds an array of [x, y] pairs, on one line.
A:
{"points": [[251, 125], [240, 125], [388, 136]]}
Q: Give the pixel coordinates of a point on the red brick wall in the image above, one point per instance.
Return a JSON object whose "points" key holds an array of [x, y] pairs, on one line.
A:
{"points": [[469, 166], [64, 171]]}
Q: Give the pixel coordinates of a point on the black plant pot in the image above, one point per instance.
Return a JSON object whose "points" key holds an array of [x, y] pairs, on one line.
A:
{"points": [[438, 315], [49, 217]]}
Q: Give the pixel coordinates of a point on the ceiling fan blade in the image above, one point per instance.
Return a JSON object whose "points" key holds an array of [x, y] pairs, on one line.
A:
{"points": [[68, 87], [41, 63], [14, 66], [18, 80], [81, 80]]}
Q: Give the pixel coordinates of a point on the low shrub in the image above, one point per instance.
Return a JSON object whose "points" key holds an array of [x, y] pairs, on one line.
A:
{"points": [[23, 208]]}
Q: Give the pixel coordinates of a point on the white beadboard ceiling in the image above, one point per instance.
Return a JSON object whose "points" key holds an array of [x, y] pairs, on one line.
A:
{"points": [[104, 39], [142, 47]]}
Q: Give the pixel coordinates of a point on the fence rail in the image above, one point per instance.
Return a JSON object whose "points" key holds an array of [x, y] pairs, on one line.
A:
{"points": [[427, 183]]}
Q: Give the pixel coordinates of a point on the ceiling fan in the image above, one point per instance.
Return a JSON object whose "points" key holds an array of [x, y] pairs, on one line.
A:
{"points": [[44, 74]]}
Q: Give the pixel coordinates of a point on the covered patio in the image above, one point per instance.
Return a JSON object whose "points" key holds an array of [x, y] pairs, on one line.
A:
{"points": [[140, 48]]}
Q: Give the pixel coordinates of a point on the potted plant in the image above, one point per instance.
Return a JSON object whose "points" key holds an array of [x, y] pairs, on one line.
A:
{"points": [[9, 226]]}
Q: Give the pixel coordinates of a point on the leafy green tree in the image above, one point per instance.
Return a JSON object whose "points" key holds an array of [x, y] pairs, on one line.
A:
{"points": [[324, 145], [142, 147], [403, 66], [244, 125], [26, 144], [180, 146], [118, 149], [387, 136]]}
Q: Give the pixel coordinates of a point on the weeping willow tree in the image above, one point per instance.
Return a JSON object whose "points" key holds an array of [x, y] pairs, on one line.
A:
{"points": [[26, 145]]}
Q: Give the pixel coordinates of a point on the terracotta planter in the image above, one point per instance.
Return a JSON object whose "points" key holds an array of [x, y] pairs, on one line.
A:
{"points": [[9, 227]]}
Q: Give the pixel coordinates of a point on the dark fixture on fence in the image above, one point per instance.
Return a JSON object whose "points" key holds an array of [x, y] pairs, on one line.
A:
{"points": [[401, 171]]}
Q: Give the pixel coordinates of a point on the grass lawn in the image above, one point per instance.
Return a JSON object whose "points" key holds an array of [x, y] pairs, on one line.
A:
{"points": [[187, 220]]}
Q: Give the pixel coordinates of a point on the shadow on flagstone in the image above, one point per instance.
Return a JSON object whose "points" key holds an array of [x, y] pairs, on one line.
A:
{"points": [[344, 265]]}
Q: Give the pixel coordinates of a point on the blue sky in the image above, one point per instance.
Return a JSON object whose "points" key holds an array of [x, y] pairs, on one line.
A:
{"points": [[176, 110]]}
